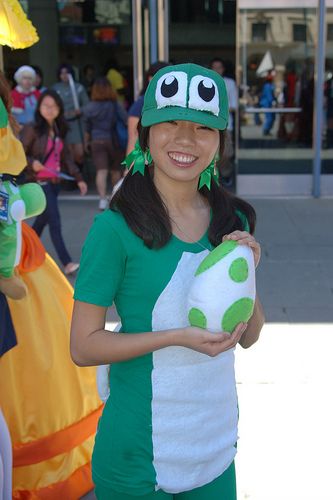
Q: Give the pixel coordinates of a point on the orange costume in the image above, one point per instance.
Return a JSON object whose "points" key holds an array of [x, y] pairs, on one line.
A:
{"points": [[50, 405]]}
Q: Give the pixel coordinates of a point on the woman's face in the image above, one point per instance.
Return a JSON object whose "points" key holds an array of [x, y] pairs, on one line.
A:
{"points": [[49, 109], [181, 150], [27, 81], [64, 75], [38, 80]]}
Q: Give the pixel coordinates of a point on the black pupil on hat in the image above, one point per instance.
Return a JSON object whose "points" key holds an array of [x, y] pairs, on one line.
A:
{"points": [[169, 89], [206, 93]]}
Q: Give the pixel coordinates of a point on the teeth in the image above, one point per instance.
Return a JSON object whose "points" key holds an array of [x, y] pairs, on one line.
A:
{"points": [[182, 158]]}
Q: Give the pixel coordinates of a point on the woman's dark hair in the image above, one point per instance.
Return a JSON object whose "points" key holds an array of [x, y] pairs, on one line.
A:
{"points": [[102, 90], [40, 73], [151, 71], [60, 125], [145, 213], [69, 69]]}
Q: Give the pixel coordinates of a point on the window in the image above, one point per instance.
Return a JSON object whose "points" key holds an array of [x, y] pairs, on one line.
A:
{"points": [[299, 32], [330, 32], [259, 32]]}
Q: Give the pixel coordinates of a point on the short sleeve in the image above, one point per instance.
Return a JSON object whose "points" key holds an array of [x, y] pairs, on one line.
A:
{"points": [[136, 108], [102, 264], [83, 96]]}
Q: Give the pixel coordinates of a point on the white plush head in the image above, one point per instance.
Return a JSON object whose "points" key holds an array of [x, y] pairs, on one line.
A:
{"points": [[223, 291]]}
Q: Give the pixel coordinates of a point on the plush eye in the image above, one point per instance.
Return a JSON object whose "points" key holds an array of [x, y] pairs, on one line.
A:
{"points": [[171, 90], [204, 95]]}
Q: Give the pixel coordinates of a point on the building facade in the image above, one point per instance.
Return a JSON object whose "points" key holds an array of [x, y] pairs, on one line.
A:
{"points": [[269, 47]]}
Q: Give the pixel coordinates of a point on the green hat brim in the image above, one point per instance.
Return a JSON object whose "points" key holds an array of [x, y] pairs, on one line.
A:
{"points": [[173, 113]]}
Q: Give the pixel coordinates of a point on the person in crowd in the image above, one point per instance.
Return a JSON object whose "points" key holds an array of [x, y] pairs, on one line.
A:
{"points": [[267, 100], [39, 82], [48, 158], [88, 77], [117, 80], [25, 95], [74, 97], [169, 382], [100, 118], [134, 113], [306, 103], [227, 164]]}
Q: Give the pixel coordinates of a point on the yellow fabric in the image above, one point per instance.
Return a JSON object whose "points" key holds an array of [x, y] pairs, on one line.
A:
{"points": [[16, 30], [44, 391], [12, 156], [117, 82], [54, 470]]}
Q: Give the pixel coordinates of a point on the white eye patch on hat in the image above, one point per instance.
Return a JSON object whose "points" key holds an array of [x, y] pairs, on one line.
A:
{"points": [[204, 95], [171, 90]]}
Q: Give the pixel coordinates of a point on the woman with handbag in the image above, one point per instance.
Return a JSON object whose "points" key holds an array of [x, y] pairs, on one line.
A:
{"points": [[48, 157], [103, 117]]}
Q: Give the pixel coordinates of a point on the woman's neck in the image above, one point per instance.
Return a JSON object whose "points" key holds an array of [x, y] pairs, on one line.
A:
{"points": [[51, 126], [25, 91], [179, 196]]}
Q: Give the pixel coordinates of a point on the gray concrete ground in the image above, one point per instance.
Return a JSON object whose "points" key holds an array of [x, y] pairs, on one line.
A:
{"points": [[284, 381]]}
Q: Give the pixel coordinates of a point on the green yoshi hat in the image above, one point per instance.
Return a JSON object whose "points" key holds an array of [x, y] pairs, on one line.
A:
{"points": [[186, 92]]}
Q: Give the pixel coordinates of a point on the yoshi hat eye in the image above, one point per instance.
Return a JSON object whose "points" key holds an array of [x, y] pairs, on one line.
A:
{"points": [[171, 89], [204, 95]]}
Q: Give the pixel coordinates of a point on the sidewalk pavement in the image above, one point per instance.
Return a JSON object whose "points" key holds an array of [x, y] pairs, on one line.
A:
{"points": [[284, 381]]}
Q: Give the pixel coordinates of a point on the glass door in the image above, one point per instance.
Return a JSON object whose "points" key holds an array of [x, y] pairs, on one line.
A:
{"points": [[275, 71], [326, 186], [150, 35]]}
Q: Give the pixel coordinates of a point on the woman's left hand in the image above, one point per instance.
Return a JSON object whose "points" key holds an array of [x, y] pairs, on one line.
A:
{"points": [[82, 187], [245, 238]]}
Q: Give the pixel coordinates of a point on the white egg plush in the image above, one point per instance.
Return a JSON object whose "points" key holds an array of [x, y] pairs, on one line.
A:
{"points": [[223, 290]]}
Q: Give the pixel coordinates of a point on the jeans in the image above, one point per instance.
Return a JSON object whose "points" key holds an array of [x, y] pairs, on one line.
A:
{"points": [[51, 216], [269, 122]]}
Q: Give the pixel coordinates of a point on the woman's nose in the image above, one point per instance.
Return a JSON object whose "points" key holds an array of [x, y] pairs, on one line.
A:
{"points": [[184, 134]]}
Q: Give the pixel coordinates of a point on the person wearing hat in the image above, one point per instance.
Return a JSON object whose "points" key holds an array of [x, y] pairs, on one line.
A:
{"points": [[24, 95], [169, 426]]}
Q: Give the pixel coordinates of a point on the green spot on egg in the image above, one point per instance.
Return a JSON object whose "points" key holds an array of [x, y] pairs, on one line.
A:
{"points": [[197, 318], [216, 255], [239, 270], [239, 312]]}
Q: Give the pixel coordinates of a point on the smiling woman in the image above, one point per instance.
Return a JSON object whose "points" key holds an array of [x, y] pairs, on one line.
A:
{"points": [[49, 160], [142, 254], [182, 149]]}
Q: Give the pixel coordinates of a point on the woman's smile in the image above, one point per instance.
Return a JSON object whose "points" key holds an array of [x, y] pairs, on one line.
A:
{"points": [[182, 159]]}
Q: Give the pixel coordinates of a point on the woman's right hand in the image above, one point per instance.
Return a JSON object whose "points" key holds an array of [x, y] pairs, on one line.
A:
{"points": [[37, 166], [82, 187], [209, 343]]}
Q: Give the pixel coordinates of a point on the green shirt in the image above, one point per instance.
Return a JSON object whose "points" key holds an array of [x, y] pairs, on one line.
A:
{"points": [[147, 437]]}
